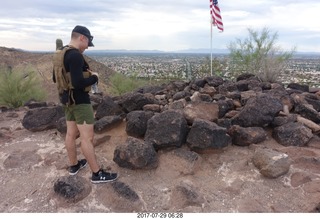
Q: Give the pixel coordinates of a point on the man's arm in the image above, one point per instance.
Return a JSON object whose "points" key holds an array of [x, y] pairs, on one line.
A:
{"points": [[74, 63]]}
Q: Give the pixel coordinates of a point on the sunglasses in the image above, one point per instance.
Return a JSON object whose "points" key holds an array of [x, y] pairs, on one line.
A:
{"points": [[90, 38]]}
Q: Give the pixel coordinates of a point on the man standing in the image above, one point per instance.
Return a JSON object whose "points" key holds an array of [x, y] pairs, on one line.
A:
{"points": [[74, 80]]}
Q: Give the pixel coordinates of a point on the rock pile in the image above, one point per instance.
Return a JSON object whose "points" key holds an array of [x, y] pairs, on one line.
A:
{"points": [[203, 114]]}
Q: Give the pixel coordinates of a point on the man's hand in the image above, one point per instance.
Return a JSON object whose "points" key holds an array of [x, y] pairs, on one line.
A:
{"points": [[94, 73]]}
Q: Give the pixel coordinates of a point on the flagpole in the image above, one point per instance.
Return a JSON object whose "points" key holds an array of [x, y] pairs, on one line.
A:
{"points": [[211, 48]]}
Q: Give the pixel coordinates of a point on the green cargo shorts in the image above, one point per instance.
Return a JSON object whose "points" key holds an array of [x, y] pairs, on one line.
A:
{"points": [[81, 114]]}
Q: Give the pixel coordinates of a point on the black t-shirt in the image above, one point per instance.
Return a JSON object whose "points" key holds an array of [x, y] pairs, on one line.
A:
{"points": [[76, 65]]}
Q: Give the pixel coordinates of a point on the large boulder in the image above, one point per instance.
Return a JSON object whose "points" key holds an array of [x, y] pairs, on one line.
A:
{"points": [[270, 163], [207, 135], [259, 111], [306, 110], [136, 101], [108, 108], [135, 154], [40, 119], [166, 129], [244, 136], [201, 110], [106, 123], [292, 134], [137, 121]]}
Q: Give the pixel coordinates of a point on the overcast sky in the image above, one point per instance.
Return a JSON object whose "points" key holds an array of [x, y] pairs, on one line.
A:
{"points": [[166, 25]]}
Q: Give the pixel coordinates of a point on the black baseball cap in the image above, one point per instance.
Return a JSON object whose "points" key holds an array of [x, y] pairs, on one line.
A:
{"points": [[84, 31]]}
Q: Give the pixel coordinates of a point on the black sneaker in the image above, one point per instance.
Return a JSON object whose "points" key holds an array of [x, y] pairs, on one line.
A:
{"points": [[73, 170], [103, 177]]}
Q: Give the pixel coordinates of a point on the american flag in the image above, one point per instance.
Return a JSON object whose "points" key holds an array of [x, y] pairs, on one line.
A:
{"points": [[215, 14]]}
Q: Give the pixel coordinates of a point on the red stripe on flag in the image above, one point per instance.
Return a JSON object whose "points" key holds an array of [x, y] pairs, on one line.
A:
{"points": [[216, 15]]}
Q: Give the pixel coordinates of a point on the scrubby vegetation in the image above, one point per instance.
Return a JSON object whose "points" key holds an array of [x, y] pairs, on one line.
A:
{"points": [[259, 55], [17, 86], [120, 84]]}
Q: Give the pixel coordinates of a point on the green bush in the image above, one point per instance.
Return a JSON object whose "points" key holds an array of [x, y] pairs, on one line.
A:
{"points": [[219, 68], [259, 55], [17, 86], [120, 84]]}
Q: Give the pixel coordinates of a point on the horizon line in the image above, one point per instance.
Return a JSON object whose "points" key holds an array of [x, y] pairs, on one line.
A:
{"points": [[191, 50]]}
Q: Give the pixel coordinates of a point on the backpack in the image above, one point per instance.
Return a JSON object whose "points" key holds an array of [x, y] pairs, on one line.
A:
{"points": [[63, 78]]}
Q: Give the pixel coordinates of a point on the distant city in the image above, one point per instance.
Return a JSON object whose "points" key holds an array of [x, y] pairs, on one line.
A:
{"points": [[302, 67]]}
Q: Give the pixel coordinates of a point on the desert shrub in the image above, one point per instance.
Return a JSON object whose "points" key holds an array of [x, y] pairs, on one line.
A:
{"points": [[259, 55], [17, 86], [218, 67], [120, 84]]}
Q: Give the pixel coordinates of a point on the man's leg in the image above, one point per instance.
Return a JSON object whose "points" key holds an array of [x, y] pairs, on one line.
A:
{"points": [[86, 137], [70, 141], [85, 123]]}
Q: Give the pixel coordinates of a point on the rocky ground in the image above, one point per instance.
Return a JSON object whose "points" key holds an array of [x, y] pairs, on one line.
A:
{"points": [[222, 180]]}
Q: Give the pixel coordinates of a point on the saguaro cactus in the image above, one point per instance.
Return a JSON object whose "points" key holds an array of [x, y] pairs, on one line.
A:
{"points": [[59, 44]]}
